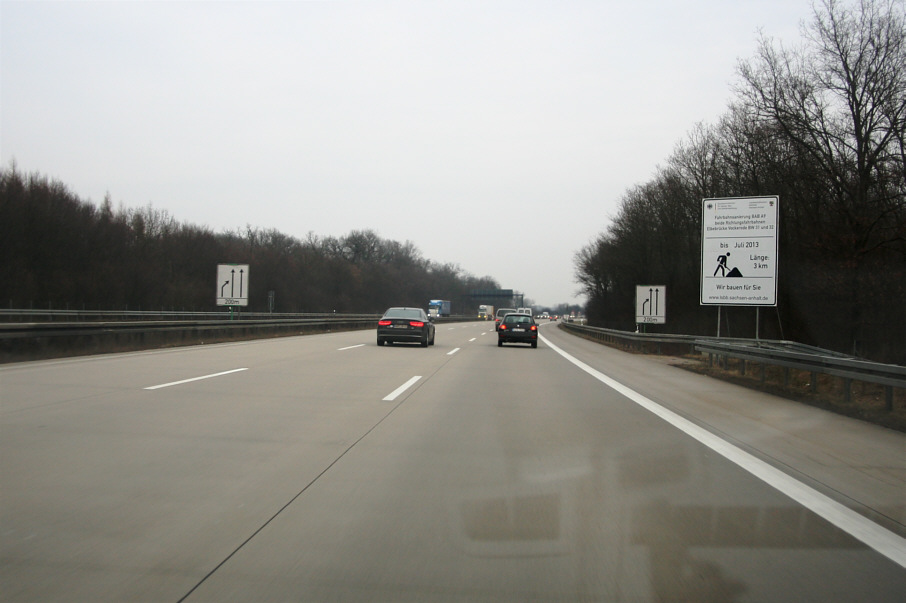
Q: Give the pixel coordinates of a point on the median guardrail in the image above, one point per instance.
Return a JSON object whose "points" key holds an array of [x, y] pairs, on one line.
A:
{"points": [[64, 333], [29, 341], [35, 334], [35, 315]]}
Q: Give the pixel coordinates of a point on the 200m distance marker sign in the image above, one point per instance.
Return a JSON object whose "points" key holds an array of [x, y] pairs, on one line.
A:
{"points": [[739, 251], [232, 284]]}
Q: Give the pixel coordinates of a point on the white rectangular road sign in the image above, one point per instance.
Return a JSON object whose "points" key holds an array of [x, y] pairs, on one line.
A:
{"points": [[739, 251], [232, 284], [651, 304]]}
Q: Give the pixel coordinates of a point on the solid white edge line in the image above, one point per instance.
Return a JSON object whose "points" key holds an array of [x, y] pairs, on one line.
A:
{"points": [[453, 351], [349, 347], [856, 525], [196, 378], [393, 395]]}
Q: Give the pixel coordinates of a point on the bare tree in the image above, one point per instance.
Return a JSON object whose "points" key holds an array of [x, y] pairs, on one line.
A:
{"points": [[842, 99]]}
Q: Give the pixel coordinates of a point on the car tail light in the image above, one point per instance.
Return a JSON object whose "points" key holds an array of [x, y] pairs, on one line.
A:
{"points": [[534, 327], [416, 323], [385, 323], [503, 327]]}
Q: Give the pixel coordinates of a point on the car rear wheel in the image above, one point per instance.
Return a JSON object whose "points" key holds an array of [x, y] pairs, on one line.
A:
{"points": [[534, 344], [499, 343]]}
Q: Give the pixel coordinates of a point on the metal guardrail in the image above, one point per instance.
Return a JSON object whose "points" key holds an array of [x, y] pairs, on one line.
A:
{"points": [[38, 315], [848, 368], [78, 332], [787, 354], [638, 341], [61, 329]]}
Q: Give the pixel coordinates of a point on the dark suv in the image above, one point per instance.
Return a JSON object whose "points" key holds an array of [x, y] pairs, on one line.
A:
{"points": [[517, 328]]}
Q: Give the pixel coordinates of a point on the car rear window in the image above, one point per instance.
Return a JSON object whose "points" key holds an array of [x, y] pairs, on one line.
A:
{"points": [[402, 313]]}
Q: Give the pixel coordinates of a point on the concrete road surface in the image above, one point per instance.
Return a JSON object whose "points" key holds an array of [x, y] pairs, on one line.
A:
{"points": [[326, 468]]}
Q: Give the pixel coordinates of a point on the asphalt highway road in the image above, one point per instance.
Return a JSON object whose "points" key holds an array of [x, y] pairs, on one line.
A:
{"points": [[326, 468]]}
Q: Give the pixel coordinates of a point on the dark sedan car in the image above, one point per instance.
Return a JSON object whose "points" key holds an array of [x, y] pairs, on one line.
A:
{"points": [[519, 328], [411, 325]]}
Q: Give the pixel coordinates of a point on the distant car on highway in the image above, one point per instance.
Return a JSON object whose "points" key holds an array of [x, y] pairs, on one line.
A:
{"points": [[517, 328], [410, 325], [501, 312]]}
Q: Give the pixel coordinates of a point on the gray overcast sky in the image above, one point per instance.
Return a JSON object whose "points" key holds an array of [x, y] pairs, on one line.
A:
{"points": [[421, 120]]}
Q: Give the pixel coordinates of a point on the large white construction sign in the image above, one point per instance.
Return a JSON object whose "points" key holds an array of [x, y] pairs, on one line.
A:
{"points": [[739, 251]]}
